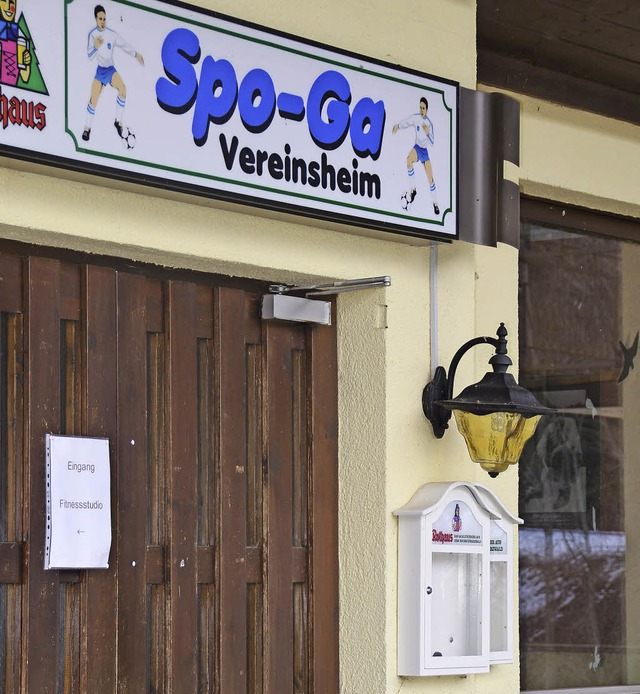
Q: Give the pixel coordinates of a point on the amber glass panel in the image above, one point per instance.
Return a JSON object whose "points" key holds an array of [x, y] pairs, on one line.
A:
{"points": [[495, 440]]}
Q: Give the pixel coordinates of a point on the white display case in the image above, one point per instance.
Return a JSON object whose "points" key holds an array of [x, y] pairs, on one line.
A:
{"points": [[448, 584]]}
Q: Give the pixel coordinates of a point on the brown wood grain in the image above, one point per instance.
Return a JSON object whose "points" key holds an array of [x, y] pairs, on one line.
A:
{"points": [[42, 647], [183, 454], [233, 333], [223, 442], [131, 506], [324, 517]]}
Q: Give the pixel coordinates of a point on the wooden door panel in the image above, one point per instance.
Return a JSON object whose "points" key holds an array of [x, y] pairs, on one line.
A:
{"points": [[222, 430], [100, 605], [183, 487], [240, 627], [207, 476], [323, 511], [284, 346], [43, 589], [132, 489], [11, 471]]}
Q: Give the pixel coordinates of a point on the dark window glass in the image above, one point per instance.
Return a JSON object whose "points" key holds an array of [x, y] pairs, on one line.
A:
{"points": [[579, 546]]}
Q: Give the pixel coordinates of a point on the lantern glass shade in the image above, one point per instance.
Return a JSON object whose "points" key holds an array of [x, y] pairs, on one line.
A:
{"points": [[495, 440]]}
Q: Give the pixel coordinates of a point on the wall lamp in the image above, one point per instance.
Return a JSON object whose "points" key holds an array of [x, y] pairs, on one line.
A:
{"points": [[496, 416]]}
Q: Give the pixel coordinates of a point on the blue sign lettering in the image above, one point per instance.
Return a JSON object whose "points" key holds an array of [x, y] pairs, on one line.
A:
{"points": [[367, 127], [257, 101], [180, 52], [215, 95], [332, 90]]}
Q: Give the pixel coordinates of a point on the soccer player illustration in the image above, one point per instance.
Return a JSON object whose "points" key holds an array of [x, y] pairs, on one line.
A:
{"points": [[15, 58], [423, 128], [100, 46]]}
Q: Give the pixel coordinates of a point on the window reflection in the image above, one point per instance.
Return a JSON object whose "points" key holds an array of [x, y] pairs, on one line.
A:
{"points": [[579, 569]]}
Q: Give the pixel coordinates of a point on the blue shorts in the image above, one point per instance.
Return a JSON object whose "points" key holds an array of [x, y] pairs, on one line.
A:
{"points": [[422, 152], [104, 74]]}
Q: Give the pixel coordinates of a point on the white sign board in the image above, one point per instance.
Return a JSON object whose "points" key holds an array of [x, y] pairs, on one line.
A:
{"points": [[78, 503], [177, 97]]}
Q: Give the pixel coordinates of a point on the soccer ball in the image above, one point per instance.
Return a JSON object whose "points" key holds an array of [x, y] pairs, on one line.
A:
{"points": [[407, 198], [128, 138]]}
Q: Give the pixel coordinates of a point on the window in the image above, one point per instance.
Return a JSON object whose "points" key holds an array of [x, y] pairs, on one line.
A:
{"points": [[580, 474]]}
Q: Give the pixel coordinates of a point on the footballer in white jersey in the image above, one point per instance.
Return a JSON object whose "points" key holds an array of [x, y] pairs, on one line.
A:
{"points": [[424, 138], [423, 128], [101, 44]]}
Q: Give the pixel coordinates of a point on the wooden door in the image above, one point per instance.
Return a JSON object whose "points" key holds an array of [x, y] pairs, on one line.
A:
{"points": [[223, 442]]}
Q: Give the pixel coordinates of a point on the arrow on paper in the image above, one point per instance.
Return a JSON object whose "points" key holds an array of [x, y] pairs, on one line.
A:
{"points": [[80, 531]]}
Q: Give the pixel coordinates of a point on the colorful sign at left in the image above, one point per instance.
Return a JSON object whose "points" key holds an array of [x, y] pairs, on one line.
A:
{"points": [[20, 69]]}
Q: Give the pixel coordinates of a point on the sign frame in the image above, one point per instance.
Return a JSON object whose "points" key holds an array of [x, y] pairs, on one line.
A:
{"points": [[114, 166]]}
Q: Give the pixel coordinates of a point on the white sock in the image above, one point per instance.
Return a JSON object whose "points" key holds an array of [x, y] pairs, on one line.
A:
{"points": [[412, 185], [120, 104], [91, 112]]}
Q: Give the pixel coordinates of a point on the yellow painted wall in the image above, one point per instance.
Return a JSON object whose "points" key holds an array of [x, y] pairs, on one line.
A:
{"points": [[578, 158]]}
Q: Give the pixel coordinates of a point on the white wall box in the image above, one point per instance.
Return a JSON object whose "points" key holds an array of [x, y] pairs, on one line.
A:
{"points": [[449, 585]]}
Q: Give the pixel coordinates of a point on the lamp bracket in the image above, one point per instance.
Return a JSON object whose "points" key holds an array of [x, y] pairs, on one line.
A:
{"points": [[453, 367], [434, 391], [441, 387]]}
